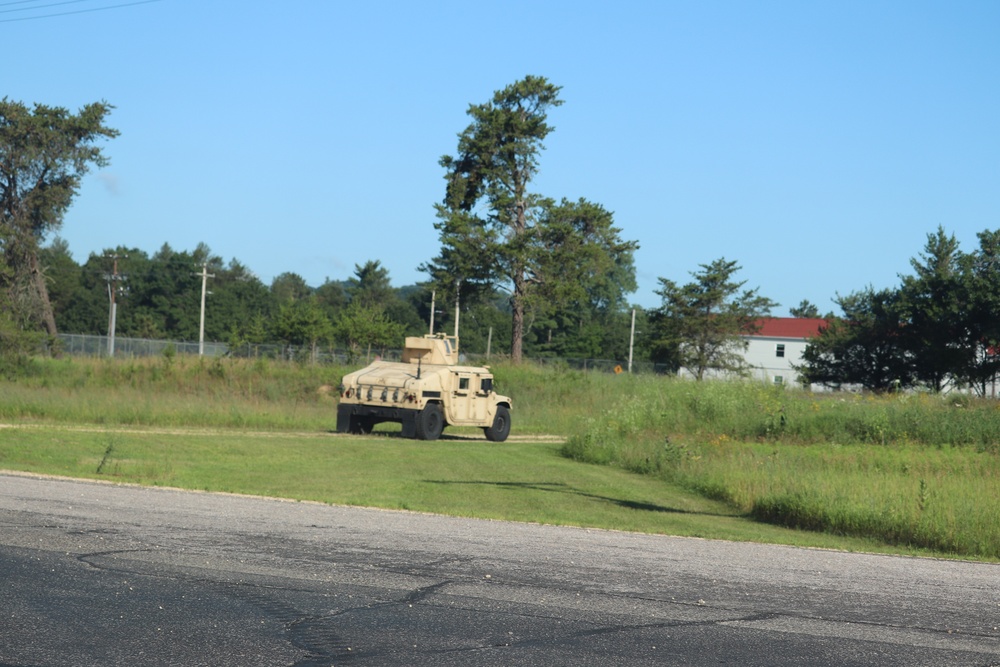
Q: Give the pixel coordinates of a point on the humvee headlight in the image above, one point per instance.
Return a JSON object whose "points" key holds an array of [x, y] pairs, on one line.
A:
{"points": [[395, 396], [369, 393]]}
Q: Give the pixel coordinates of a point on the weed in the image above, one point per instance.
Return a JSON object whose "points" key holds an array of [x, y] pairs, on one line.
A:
{"points": [[217, 370], [108, 454], [169, 355]]}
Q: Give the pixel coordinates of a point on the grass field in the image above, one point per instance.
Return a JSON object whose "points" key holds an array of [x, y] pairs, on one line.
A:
{"points": [[517, 481], [913, 474]]}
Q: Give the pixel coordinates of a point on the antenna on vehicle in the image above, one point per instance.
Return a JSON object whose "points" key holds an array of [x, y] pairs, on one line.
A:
{"points": [[433, 294], [458, 285]]}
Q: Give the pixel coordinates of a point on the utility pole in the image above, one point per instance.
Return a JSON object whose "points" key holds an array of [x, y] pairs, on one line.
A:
{"points": [[113, 279], [631, 339], [205, 275]]}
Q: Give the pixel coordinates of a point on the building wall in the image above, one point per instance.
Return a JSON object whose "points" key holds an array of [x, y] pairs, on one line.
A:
{"points": [[772, 358]]}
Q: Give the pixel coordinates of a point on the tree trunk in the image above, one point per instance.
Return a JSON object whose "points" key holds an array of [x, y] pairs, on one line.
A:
{"points": [[520, 223], [42, 294], [517, 318]]}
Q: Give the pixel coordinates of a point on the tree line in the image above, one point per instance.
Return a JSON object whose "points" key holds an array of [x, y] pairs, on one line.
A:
{"points": [[158, 297], [938, 329], [532, 275], [537, 274]]}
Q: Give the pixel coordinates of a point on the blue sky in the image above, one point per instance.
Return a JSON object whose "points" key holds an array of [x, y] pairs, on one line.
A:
{"points": [[816, 143]]}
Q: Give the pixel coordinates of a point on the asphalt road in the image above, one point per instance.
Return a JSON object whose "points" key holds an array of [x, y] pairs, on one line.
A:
{"points": [[96, 574]]}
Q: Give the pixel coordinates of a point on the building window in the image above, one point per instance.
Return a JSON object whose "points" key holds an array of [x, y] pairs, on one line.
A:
{"points": [[779, 350], [779, 379]]}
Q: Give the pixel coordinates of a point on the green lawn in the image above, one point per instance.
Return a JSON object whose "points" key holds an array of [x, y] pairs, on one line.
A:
{"points": [[517, 481]]}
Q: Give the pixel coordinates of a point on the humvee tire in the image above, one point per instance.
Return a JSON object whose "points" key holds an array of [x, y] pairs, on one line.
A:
{"points": [[500, 429], [430, 422], [361, 425]]}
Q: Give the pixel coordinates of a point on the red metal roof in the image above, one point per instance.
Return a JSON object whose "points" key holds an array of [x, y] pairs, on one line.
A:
{"points": [[789, 327]]}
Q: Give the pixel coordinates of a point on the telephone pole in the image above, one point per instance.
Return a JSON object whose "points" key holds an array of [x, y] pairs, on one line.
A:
{"points": [[631, 341], [205, 275]]}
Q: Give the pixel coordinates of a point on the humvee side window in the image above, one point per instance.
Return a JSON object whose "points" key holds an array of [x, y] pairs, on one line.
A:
{"points": [[486, 385], [463, 383]]}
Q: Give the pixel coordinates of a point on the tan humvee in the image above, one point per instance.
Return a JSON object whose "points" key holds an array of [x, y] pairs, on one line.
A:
{"points": [[424, 392]]}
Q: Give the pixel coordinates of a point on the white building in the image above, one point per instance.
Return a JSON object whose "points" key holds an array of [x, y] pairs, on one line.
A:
{"points": [[778, 345]]}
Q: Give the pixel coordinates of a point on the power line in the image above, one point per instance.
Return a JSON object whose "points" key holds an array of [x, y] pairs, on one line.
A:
{"points": [[67, 2], [18, 2], [28, 9]]}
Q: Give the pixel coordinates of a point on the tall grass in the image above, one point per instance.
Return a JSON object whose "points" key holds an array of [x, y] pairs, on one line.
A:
{"points": [[553, 399], [181, 391], [245, 393], [941, 499], [650, 406], [914, 470]]}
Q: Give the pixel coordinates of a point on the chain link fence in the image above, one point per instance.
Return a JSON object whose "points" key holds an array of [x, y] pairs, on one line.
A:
{"points": [[99, 346]]}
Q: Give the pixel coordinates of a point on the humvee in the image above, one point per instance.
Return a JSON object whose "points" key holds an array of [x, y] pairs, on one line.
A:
{"points": [[425, 392]]}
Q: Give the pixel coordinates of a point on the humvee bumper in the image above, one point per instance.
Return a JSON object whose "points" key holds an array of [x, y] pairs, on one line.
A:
{"points": [[354, 418]]}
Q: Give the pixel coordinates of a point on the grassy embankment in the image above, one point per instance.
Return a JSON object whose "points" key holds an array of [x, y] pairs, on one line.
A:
{"points": [[918, 472], [908, 470]]}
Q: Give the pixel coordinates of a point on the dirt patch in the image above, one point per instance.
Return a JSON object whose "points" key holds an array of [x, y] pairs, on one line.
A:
{"points": [[265, 434]]}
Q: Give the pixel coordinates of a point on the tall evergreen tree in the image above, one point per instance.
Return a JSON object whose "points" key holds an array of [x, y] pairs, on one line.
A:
{"points": [[582, 274], [490, 221], [935, 308], [44, 154], [864, 347], [805, 309], [983, 285], [701, 325], [370, 284]]}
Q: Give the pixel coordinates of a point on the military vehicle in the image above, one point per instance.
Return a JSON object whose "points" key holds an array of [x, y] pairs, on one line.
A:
{"points": [[425, 392]]}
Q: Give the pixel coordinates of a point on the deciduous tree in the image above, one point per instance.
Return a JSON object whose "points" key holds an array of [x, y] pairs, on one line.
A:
{"points": [[303, 323], [366, 327], [289, 287]]}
